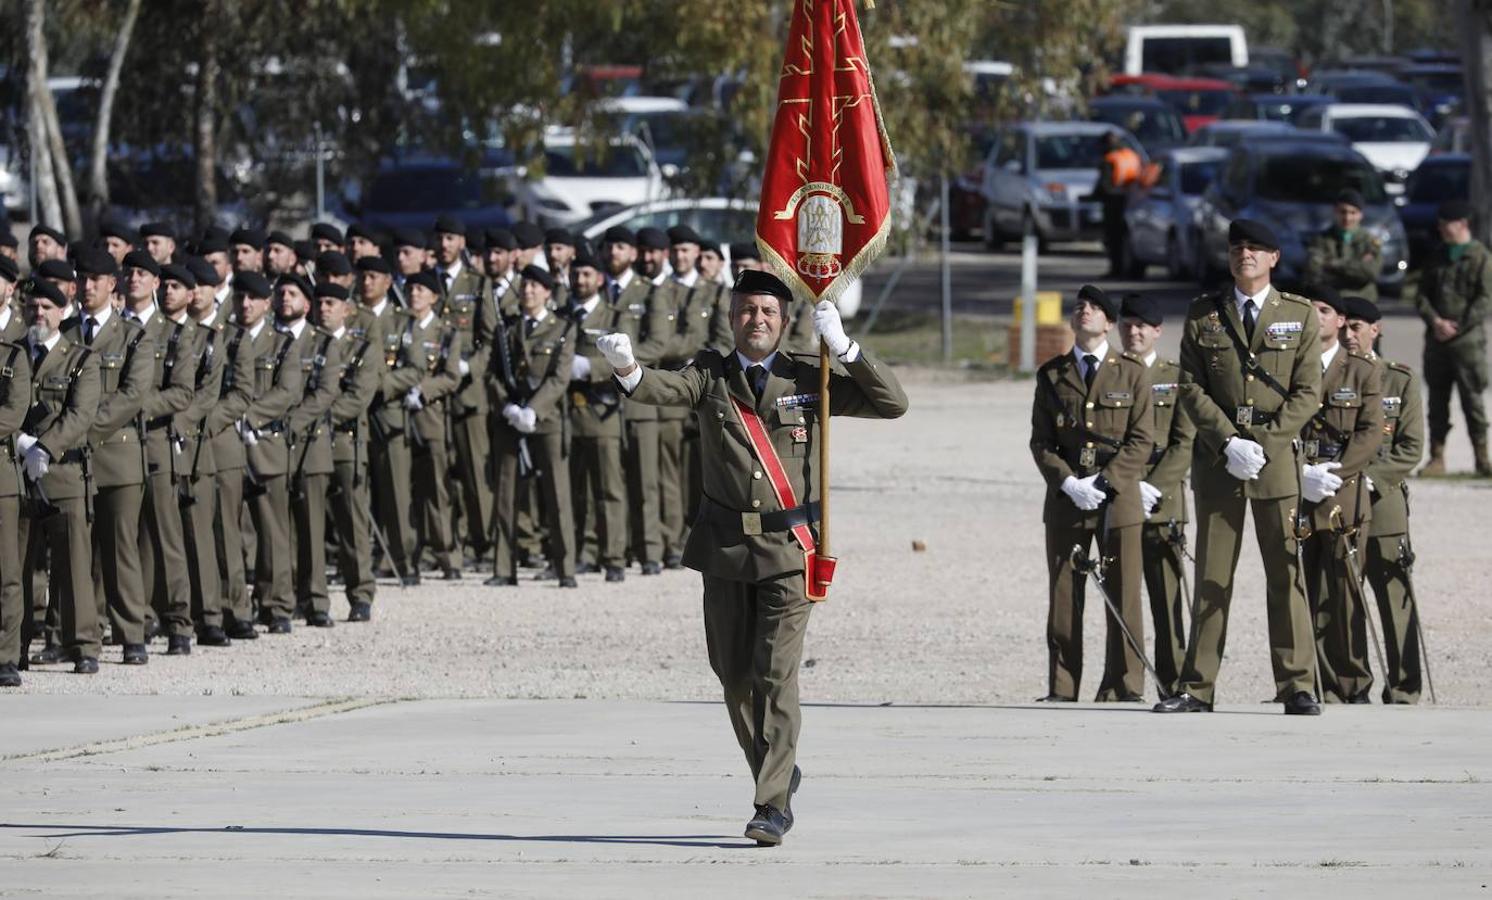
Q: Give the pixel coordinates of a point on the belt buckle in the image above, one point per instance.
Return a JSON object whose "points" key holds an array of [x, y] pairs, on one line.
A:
{"points": [[1312, 449], [751, 523], [1087, 457], [1244, 415]]}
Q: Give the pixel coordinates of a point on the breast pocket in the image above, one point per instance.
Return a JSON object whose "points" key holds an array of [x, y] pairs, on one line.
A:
{"points": [[1113, 410], [1342, 408], [110, 370], [793, 431]]}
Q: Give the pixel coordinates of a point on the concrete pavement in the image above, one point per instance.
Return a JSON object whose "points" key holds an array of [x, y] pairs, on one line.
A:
{"points": [[232, 796]]}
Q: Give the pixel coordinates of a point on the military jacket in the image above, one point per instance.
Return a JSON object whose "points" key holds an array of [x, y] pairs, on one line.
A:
{"points": [[1351, 266], [358, 382], [175, 376], [15, 329], [386, 329], [1219, 392], [595, 401], [197, 449], [15, 402], [644, 312], [1459, 290], [276, 391], [309, 422], [731, 475], [704, 318], [125, 356], [239, 360], [541, 368], [463, 304], [429, 352], [1402, 448], [1104, 429], [1174, 433], [1347, 428], [65, 390]]}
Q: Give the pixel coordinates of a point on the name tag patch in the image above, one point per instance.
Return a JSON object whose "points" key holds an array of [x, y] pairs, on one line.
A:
{"points": [[1344, 394], [796, 401], [1392, 405], [1116, 395]]}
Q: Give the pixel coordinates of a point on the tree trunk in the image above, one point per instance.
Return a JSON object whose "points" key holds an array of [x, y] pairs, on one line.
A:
{"points": [[51, 129], [204, 134], [1476, 56], [36, 124], [98, 180]]}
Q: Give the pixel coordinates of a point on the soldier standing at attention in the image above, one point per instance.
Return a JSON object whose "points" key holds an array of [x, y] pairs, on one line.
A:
{"points": [[12, 322], [600, 489], [1345, 256], [690, 300], [229, 456], [1454, 297], [15, 400], [1091, 435], [1337, 444], [1251, 377], [1388, 487], [1163, 489], [755, 603]]}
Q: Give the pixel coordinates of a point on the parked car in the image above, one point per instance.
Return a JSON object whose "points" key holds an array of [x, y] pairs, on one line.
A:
{"points": [[1292, 187], [1252, 78], [1389, 92], [1272, 107], [1158, 221], [1041, 175], [410, 193], [723, 219], [1396, 139], [1330, 81], [1454, 136], [579, 180], [1438, 179], [1228, 132], [1177, 48], [1153, 122], [1440, 89], [1197, 100]]}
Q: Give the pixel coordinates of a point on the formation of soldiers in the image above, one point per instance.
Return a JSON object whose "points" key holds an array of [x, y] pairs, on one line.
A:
{"points": [[191, 427], [1280, 408]]}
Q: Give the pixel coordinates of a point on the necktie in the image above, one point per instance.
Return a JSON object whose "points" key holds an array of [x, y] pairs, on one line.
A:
{"points": [[90, 328], [1090, 368], [757, 375], [616, 291], [1248, 318], [38, 355], [528, 326]]}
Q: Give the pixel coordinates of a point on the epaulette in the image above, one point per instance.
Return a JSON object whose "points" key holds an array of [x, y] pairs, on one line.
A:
{"points": [[1399, 367], [1296, 298], [225, 324], [1132, 358], [322, 332]]}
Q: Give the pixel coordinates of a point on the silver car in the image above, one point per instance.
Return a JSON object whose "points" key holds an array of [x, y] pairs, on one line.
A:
{"points": [[1159, 219], [1043, 175]]}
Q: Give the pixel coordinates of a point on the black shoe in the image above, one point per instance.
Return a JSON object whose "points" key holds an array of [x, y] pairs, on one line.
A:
{"points": [[179, 645], [1055, 698], [501, 581], [9, 675], [320, 620], [86, 665], [213, 636], [450, 573], [410, 580], [242, 631], [768, 826], [1301, 703], [51, 656], [586, 568], [673, 561], [280, 625], [302, 611], [792, 787], [135, 655], [1182, 702], [651, 568], [1366, 697], [549, 574], [362, 611], [152, 630], [266, 618], [567, 583], [614, 573]]}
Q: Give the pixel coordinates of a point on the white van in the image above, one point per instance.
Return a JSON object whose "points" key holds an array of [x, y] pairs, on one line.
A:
{"points": [[1173, 49]]}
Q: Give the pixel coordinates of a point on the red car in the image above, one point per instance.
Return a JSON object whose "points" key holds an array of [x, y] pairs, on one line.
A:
{"points": [[1197, 100]]}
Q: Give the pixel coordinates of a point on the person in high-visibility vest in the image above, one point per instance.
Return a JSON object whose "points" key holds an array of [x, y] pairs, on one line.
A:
{"points": [[1120, 169]]}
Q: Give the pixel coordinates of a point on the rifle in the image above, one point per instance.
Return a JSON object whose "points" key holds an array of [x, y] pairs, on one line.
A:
{"points": [[184, 496], [510, 383], [1176, 538], [313, 384]]}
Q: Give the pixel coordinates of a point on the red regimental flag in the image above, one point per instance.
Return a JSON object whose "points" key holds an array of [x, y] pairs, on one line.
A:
{"points": [[825, 205]]}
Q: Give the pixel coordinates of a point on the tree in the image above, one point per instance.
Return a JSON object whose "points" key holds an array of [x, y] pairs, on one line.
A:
{"points": [[1475, 26], [98, 182]]}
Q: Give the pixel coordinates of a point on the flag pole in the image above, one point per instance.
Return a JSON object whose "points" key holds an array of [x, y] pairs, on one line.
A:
{"points": [[823, 546]]}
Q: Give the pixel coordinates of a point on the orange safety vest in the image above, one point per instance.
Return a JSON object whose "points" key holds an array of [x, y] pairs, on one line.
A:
{"points": [[1124, 166]]}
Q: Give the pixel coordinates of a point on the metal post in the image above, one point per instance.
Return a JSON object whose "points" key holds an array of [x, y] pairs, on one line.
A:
{"points": [[947, 276], [320, 176], [1028, 299]]}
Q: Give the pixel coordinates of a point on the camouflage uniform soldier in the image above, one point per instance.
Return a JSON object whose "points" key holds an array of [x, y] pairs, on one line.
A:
{"points": [[1345, 257]]}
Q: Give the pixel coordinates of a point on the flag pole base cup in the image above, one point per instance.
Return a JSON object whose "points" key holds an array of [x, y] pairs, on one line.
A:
{"points": [[818, 573]]}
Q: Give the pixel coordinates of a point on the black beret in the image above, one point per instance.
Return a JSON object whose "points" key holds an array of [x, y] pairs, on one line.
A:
{"points": [[756, 281], [710, 247], [57, 269], [359, 230], [281, 238], [253, 237], [1324, 293], [476, 241], [326, 231], [8, 238], [50, 232], [584, 257], [528, 235], [432, 241], [9, 270], [304, 249], [683, 234], [328, 289], [424, 278], [212, 244], [297, 282], [448, 224], [542, 276], [1242, 231], [139, 259], [215, 233], [745, 250], [156, 229], [652, 239], [1094, 294], [92, 261], [203, 271], [115, 228], [374, 264], [501, 238], [252, 284], [1453, 210], [409, 237], [1362, 308], [40, 287], [1140, 306], [559, 236], [1351, 197], [178, 273], [618, 234], [333, 262]]}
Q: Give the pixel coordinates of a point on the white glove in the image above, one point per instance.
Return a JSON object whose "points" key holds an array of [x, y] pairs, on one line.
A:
{"points": [[1245, 458], [617, 348], [250, 437], [1084, 494], [24, 443], [1317, 482], [463, 367], [1149, 497], [580, 368], [413, 401], [528, 420], [1368, 483], [512, 413], [826, 324], [36, 464]]}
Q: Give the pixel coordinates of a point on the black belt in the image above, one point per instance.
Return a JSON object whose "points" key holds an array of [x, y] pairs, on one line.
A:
{"points": [[754, 522], [1156, 454], [1248, 416], [1091, 459], [73, 456], [1320, 451], [158, 423]]}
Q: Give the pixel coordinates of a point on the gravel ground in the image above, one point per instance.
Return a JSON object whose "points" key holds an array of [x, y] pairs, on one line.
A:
{"points": [[961, 622]]}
